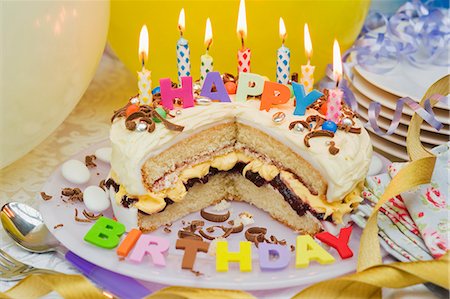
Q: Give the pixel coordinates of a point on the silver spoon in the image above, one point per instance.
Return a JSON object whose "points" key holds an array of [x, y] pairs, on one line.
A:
{"points": [[26, 227]]}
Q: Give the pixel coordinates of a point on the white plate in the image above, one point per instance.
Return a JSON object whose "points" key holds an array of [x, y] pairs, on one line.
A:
{"points": [[387, 113], [401, 132], [71, 235], [406, 80], [390, 101], [397, 152]]}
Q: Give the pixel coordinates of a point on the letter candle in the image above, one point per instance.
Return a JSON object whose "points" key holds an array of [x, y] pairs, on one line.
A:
{"points": [[307, 71], [206, 61], [244, 53], [144, 76], [183, 52], [335, 95], [283, 57]]}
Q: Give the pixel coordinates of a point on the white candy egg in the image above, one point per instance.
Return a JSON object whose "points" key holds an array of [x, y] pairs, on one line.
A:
{"points": [[75, 172], [104, 154], [95, 199]]}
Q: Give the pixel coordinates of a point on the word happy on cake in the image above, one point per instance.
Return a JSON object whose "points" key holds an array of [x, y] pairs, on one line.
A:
{"points": [[106, 233], [248, 85]]}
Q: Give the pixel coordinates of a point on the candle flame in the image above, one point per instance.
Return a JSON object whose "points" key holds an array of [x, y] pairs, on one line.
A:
{"points": [[282, 29], [143, 45], [337, 62], [208, 33], [308, 43], [242, 21], [181, 21]]}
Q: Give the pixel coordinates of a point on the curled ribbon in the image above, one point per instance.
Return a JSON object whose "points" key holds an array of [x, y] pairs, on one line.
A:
{"points": [[425, 111], [416, 32]]}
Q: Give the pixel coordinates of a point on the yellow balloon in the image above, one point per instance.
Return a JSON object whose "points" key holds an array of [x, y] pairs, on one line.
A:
{"points": [[327, 20]]}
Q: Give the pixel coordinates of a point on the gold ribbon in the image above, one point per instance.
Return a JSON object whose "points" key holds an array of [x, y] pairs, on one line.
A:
{"points": [[68, 286], [366, 283]]}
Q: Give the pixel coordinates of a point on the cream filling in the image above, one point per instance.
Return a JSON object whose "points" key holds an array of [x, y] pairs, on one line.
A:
{"points": [[154, 202]]}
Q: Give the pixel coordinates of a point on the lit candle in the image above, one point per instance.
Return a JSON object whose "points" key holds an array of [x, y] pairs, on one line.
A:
{"points": [[144, 76], [243, 53], [183, 53], [335, 95], [283, 57], [307, 71], [206, 61]]}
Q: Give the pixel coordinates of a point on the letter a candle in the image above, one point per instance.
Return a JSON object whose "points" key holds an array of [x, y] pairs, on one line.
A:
{"points": [[244, 53], [335, 96]]}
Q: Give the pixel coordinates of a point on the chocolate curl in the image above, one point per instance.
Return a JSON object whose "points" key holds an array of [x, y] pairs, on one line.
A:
{"points": [[166, 123], [256, 234], [302, 122], [182, 234], [215, 217], [333, 149], [319, 133]]}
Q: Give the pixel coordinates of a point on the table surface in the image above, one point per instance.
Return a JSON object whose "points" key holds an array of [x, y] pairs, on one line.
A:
{"points": [[89, 123]]}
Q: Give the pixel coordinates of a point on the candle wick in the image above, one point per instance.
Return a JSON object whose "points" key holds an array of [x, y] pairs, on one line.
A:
{"points": [[242, 42]]}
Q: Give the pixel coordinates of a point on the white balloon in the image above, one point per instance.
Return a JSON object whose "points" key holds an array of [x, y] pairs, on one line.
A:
{"points": [[51, 50]]}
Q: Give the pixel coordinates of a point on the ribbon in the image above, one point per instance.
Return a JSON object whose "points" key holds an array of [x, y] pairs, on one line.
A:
{"points": [[416, 33], [425, 111]]}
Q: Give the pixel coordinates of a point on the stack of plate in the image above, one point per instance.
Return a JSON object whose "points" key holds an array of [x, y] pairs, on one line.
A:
{"points": [[403, 81]]}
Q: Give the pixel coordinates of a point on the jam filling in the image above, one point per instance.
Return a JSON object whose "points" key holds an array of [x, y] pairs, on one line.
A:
{"points": [[296, 203]]}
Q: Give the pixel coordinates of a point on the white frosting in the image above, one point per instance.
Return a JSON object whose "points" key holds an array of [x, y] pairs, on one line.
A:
{"points": [[342, 171]]}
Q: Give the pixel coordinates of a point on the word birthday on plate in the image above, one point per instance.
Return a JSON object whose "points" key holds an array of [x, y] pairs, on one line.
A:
{"points": [[106, 233], [248, 85]]}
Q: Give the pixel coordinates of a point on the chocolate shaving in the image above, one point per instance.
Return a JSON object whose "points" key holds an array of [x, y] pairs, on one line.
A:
{"points": [[355, 130], [198, 223], [294, 77], [89, 161], [333, 149], [319, 133], [58, 226], [167, 230], [189, 235], [91, 216], [237, 229], [73, 194], [256, 234], [197, 273], [215, 217], [102, 184], [46, 196], [205, 235], [227, 77], [77, 219], [292, 248], [302, 122]]}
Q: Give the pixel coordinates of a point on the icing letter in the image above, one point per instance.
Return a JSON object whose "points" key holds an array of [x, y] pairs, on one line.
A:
{"points": [[168, 94], [308, 249], [154, 246], [129, 242], [274, 94], [340, 243], [191, 247], [249, 85], [244, 256], [302, 100], [283, 256], [105, 233], [213, 78]]}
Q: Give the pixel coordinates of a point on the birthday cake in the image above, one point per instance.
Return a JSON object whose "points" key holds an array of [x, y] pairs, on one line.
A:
{"points": [[167, 163]]}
